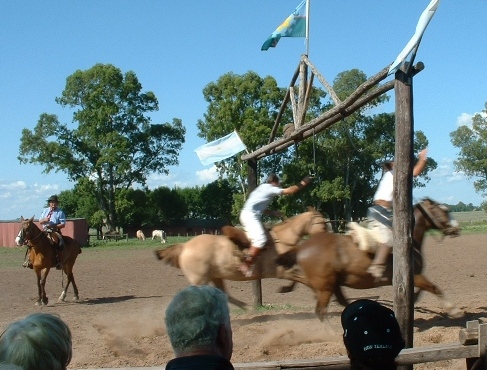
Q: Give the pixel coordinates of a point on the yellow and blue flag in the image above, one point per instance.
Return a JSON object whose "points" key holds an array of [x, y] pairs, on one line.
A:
{"points": [[220, 149], [293, 26]]}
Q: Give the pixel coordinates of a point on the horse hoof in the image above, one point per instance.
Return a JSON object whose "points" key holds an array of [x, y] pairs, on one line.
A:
{"points": [[75, 299], [456, 313], [285, 289]]}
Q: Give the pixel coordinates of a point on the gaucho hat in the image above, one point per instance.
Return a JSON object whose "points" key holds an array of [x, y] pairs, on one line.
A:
{"points": [[53, 198]]}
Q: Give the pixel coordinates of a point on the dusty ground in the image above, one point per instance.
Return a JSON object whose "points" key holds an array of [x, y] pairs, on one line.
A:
{"points": [[119, 319]]}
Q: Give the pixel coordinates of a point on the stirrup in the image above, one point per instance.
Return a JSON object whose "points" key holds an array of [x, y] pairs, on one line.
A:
{"points": [[28, 264], [59, 266]]}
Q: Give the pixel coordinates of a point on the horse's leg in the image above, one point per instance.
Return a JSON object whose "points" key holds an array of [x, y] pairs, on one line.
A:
{"points": [[70, 278], [322, 300], [220, 284], [421, 282], [41, 286], [341, 299], [287, 288]]}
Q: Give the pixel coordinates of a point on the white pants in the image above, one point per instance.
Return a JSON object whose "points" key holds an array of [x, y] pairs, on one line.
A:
{"points": [[382, 232], [254, 228]]}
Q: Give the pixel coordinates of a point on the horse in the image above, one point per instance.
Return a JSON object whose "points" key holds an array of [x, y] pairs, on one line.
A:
{"points": [[328, 261], [42, 255], [159, 234], [140, 235], [212, 258]]}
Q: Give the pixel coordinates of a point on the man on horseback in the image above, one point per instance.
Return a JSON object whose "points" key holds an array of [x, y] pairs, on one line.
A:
{"points": [[53, 220], [380, 214], [254, 207]]}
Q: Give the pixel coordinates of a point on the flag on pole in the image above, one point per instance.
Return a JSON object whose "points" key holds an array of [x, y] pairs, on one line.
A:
{"points": [[424, 19], [293, 26], [220, 149]]}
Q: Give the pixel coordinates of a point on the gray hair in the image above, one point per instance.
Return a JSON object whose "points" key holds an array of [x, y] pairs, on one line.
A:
{"points": [[40, 341], [195, 316]]}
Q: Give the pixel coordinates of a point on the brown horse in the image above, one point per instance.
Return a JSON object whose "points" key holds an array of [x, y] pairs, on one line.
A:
{"points": [[42, 256], [212, 258], [329, 261]]}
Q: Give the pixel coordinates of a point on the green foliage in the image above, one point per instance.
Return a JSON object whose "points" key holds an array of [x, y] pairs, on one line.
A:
{"points": [[472, 142], [114, 143]]}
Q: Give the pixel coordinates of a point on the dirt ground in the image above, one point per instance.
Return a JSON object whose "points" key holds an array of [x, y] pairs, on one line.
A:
{"points": [[118, 321]]}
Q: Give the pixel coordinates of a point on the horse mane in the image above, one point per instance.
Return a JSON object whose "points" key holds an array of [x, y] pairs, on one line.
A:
{"points": [[237, 236], [170, 254]]}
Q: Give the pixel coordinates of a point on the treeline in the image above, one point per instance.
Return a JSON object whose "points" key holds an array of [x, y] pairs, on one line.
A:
{"points": [[153, 208], [462, 207]]}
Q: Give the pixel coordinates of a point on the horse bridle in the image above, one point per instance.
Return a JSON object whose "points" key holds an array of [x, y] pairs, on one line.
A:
{"points": [[25, 241], [433, 220]]}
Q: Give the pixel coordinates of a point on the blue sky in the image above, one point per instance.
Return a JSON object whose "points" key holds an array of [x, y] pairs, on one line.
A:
{"points": [[177, 47]]}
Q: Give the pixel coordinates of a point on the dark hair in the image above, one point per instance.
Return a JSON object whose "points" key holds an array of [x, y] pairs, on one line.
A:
{"points": [[272, 178], [40, 341]]}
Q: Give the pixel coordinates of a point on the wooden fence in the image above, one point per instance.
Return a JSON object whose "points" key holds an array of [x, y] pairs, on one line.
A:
{"points": [[472, 347]]}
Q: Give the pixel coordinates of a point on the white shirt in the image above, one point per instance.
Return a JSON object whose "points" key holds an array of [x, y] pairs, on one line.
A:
{"points": [[385, 189], [260, 198]]}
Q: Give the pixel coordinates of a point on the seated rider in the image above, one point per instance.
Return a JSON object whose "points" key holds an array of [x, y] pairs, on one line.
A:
{"points": [[53, 220], [254, 207], [380, 214]]}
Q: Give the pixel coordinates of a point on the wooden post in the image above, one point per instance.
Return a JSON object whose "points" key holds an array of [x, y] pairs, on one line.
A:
{"points": [[403, 210], [252, 181]]}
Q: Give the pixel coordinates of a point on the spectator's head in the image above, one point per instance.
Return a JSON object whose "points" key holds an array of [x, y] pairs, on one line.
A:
{"points": [[371, 335], [198, 322], [40, 341]]}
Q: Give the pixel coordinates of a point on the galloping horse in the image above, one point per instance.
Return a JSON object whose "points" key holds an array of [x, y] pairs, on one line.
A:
{"points": [[212, 258], [42, 255], [329, 261]]}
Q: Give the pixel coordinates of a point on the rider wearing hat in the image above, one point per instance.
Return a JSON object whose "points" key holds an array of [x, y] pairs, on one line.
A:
{"points": [[380, 214], [53, 220]]}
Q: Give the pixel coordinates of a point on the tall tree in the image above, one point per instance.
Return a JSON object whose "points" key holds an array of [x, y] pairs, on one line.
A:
{"points": [[249, 104], [114, 142], [472, 142]]}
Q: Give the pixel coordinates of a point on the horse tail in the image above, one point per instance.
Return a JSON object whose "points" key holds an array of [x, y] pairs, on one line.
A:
{"points": [[170, 255], [287, 259]]}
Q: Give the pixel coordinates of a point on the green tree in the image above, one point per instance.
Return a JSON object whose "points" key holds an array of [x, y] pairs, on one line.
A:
{"points": [[114, 142], [217, 198], [472, 142], [249, 104]]}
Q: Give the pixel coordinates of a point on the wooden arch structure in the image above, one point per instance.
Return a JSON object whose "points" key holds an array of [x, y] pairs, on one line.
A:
{"points": [[403, 179]]}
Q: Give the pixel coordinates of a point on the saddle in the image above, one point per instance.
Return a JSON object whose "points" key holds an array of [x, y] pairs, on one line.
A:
{"points": [[365, 238], [55, 238]]}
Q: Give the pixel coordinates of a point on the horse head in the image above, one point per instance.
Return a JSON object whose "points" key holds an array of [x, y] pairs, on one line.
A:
{"points": [[316, 222], [438, 215], [28, 231]]}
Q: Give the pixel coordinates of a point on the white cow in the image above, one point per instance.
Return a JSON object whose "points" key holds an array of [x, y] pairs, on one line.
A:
{"points": [[159, 233], [140, 235]]}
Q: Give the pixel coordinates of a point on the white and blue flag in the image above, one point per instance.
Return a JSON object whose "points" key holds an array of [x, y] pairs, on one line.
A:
{"points": [[220, 149]]}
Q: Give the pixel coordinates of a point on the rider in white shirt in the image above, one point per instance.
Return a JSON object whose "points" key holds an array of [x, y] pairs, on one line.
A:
{"points": [[380, 214], [251, 214]]}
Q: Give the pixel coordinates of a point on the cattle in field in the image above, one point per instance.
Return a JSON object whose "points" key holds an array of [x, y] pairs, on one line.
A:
{"points": [[140, 235], [159, 233]]}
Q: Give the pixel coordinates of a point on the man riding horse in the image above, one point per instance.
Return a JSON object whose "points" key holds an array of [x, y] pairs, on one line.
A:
{"points": [[53, 220], [380, 214]]}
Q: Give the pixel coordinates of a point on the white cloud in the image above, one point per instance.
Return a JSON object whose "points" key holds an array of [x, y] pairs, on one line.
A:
{"points": [[464, 119], [208, 175]]}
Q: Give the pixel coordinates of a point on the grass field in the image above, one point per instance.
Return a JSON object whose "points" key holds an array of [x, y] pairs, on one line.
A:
{"points": [[475, 221]]}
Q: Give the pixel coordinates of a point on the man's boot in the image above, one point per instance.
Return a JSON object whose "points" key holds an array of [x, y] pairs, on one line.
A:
{"points": [[248, 263], [378, 265], [59, 256]]}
